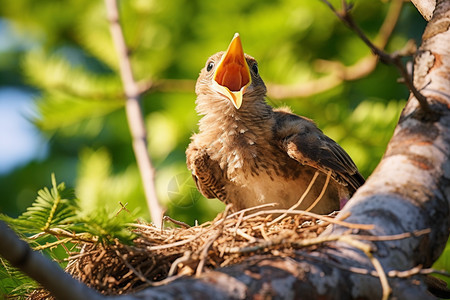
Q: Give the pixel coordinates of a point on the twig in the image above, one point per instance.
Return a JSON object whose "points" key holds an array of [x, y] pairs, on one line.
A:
{"points": [[183, 242], [80, 255], [307, 213], [263, 232], [123, 207], [173, 267], [354, 240], [176, 222], [52, 245], [204, 253], [408, 273], [393, 59], [339, 72], [129, 266], [246, 236], [254, 248], [305, 193], [324, 188], [382, 275], [154, 284], [166, 85], [417, 270], [59, 232], [41, 268], [280, 240], [434, 271], [367, 249], [134, 113], [239, 221], [394, 236], [243, 211]]}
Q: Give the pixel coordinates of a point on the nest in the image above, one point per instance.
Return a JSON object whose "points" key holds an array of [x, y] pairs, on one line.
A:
{"points": [[159, 256]]}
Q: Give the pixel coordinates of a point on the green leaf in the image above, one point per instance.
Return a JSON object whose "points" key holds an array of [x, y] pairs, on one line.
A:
{"points": [[52, 208], [56, 73], [58, 111], [14, 283]]}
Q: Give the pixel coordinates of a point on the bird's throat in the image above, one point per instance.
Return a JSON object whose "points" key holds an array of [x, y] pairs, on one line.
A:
{"points": [[232, 75]]}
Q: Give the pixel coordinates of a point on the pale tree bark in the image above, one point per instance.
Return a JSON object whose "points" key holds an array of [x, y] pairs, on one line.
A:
{"points": [[407, 193], [425, 7]]}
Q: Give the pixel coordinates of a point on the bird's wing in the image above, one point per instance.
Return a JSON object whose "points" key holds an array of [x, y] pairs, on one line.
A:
{"points": [[203, 188], [306, 143], [205, 173]]}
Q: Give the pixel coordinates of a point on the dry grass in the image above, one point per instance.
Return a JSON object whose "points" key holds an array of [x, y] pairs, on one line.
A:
{"points": [[160, 256]]}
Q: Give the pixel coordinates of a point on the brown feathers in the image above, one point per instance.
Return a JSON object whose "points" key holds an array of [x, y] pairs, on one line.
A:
{"points": [[247, 153]]}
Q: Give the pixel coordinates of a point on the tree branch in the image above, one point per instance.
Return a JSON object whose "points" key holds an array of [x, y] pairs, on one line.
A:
{"points": [[394, 59], [337, 71], [134, 114], [43, 270]]}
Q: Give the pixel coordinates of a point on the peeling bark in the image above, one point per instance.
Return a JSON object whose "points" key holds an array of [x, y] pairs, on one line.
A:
{"points": [[425, 7]]}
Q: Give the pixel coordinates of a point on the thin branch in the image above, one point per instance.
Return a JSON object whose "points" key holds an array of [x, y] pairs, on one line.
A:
{"points": [[173, 267], [368, 251], [324, 188], [382, 275], [211, 240], [123, 207], [307, 213], [186, 241], [394, 236], [129, 266], [337, 71], [176, 222], [258, 207], [134, 113], [41, 268], [393, 59], [166, 85], [305, 193]]}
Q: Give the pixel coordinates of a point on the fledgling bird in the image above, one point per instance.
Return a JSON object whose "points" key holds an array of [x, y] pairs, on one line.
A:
{"points": [[248, 153]]}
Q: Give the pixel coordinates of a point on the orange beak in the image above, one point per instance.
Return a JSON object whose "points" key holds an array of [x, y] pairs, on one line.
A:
{"points": [[232, 75]]}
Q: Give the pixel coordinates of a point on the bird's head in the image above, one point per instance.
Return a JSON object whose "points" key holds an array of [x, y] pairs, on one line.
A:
{"points": [[232, 77]]}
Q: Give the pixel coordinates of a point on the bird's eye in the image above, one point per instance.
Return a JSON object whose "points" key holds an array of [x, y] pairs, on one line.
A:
{"points": [[255, 69], [210, 66]]}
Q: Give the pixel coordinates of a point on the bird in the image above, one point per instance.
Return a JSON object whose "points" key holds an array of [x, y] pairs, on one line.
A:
{"points": [[247, 153]]}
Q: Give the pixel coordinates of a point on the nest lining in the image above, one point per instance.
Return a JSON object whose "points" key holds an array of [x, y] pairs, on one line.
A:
{"points": [[160, 256]]}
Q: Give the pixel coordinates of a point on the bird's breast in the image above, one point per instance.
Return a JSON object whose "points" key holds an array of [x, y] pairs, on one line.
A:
{"points": [[284, 192], [243, 154], [257, 171], [263, 188]]}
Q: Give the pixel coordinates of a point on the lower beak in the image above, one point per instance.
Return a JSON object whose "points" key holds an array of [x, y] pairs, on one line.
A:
{"points": [[232, 75]]}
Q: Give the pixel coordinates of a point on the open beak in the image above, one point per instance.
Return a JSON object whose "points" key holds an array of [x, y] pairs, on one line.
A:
{"points": [[232, 75]]}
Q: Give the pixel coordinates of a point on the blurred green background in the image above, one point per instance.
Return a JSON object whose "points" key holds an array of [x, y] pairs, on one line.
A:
{"points": [[58, 72]]}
